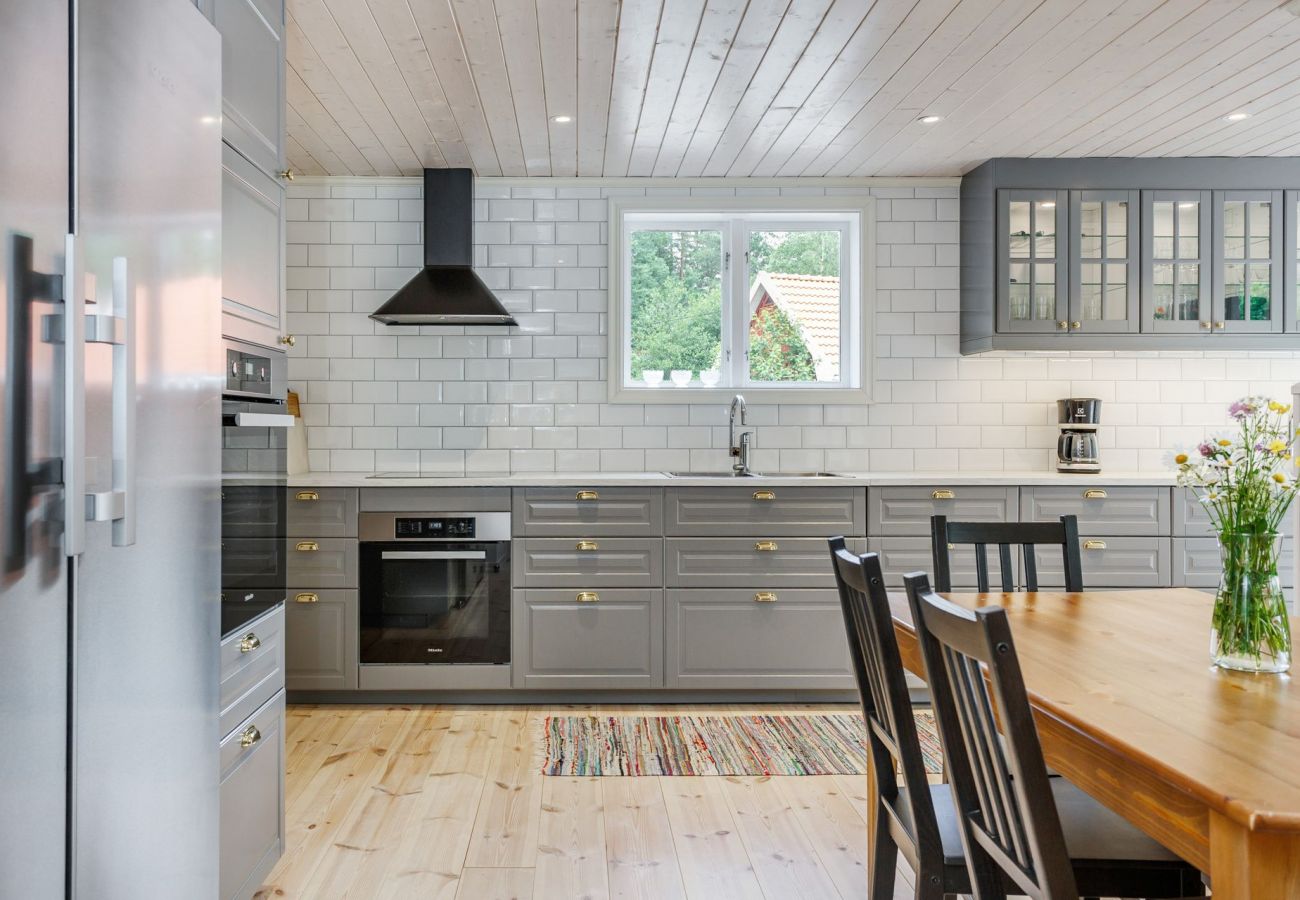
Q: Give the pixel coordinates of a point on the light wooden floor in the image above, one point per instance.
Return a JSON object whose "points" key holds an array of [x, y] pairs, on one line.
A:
{"points": [[446, 802]]}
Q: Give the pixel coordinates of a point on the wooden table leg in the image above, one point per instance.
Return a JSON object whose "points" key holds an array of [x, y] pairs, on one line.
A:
{"points": [[1252, 865]]}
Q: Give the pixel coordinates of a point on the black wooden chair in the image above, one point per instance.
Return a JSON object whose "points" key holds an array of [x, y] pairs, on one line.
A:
{"points": [[1005, 535], [1021, 831]]}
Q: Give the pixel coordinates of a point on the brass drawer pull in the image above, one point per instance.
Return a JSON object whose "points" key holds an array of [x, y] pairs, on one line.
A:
{"points": [[765, 546], [249, 643], [765, 597], [307, 546], [587, 597], [764, 495], [586, 546], [306, 598], [1094, 494], [306, 495], [586, 495], [1094, 545], [249, 737], [942, 494], [1218, 325]]}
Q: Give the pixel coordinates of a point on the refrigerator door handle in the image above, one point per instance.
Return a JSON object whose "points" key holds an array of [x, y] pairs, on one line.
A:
{"points": [[118, 505], [77, 290]]}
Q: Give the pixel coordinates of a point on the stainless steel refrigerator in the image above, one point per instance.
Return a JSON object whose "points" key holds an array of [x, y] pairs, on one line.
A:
{"points": [[110, 229]]}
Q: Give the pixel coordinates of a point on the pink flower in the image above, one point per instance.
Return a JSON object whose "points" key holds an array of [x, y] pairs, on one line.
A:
{"points": [[1206, 449]]}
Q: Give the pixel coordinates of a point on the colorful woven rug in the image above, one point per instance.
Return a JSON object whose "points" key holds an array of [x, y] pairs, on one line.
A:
{"points": [[717, 745]]}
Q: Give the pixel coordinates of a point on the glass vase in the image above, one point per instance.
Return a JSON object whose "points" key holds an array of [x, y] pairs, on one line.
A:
{"points": [[1251, 632]]}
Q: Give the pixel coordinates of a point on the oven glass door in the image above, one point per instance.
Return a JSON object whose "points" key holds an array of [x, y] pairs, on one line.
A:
{"points": [[435, 602]]}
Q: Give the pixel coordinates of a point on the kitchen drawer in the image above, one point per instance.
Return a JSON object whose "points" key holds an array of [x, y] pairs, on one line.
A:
{"points": [[1110, 562], [1196, 563], [613, 512], [253, 563], [601, 563], [252, 668], [320, 641], [252, 800], [732, 562], [758, 510], [900, 556], [728, 639], [1100, 510], [612, 638], [252, 510], [323, 562], [1192, 520], [906, 510], [322, 512], [435, 500]]}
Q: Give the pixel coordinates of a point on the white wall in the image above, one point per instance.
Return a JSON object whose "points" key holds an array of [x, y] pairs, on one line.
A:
{"points": [[451, 400]]}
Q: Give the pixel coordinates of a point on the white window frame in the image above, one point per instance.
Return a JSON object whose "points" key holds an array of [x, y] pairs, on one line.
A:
{"points": [[854, 216]]}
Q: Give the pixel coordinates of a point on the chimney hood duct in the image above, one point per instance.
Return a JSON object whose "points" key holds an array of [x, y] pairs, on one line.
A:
{"points": [[446, 291]]}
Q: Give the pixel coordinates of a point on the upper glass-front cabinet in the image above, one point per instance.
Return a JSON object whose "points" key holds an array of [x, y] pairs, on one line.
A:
{"points": [[1248, 261], [1176, 264], [1103, 262], [1032, 250], [1291, 260]]}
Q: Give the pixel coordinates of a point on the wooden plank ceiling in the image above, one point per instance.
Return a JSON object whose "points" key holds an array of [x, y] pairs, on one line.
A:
{"points": [[782, 87]]}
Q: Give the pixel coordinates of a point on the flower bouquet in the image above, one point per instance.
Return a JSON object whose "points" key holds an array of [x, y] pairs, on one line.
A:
{"points": [[1245, 481]]}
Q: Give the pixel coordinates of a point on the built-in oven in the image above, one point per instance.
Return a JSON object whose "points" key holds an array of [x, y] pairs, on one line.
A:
{"points": [[254, 419], [435, 588]]}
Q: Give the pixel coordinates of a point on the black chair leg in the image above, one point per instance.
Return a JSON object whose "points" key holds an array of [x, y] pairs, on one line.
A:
{"points": [[884, 863]]}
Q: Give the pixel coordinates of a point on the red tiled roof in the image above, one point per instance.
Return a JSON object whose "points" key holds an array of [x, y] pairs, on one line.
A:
{"points": [[812, 302]]}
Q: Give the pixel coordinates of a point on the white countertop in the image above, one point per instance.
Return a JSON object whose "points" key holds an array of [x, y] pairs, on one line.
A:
{"points": [[640, 479]]}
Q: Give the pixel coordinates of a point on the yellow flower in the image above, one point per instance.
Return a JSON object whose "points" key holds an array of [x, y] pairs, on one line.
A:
{"points": [[1224, 442], [1181, 459], [1279, 408], [1279, 478], [1276, 446]]}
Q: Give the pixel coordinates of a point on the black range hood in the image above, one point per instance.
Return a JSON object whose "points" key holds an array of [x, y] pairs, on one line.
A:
{"points": [[447, 291]]}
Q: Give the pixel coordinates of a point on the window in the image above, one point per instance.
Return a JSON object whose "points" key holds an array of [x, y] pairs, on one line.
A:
{"points": [[717, 295]]}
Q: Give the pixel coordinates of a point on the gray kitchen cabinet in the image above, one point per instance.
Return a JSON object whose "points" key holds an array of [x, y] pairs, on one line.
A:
{"points": [[251, 668], [1101, 510], [322, 512], [600, 640], [906, 509], [1191, 519], [1104, 269], [1291, 260], [252, 78], [1248, 278], [612, 512], [1110, 562], [745, 638], [435, 501], [252, 800], [252, 243], [758, 562], [765, 511], [321, 632], [1032, 248], [900, 556], [1196, 564], [1177, 264], [323, 562], [584, 563]]}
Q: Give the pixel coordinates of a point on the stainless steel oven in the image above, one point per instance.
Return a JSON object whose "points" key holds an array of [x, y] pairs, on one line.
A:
{"points": [[435, 588]]}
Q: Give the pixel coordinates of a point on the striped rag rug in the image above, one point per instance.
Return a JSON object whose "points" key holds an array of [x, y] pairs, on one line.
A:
{"points": [[819, 744]]}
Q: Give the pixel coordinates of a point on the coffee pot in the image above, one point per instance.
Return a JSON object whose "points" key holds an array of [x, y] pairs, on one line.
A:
{"points": [[1076, 446]]}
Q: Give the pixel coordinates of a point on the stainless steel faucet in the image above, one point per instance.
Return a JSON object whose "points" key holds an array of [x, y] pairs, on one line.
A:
{"points": [[738, 449]]}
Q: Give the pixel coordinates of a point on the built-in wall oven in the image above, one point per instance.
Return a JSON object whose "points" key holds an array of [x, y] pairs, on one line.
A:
{"points": [[435, 588]]}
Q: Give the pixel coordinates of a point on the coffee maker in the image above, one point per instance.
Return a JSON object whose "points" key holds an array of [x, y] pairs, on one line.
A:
{"points": [[1076, 446]]}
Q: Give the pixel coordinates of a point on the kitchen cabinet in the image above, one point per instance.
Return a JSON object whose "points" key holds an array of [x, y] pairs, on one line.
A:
{"points": [[1291, 260], [581, 563], [1104, 268], [1247, 232], [900, 510], [1100, 509], [765, 511], [252, 801], [252, 79], [1032, 286], [1176, 262], [611, 638], [320, 648], [252, 238], [322, 512], [252, 668], [612, 512]]}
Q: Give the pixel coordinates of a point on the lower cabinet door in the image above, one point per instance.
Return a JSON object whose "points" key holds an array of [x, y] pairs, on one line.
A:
{"points": [[900, 556], [252, 801], [1110, 562], [756, 638], [1197, 563], [588, 638], [320, 645]]}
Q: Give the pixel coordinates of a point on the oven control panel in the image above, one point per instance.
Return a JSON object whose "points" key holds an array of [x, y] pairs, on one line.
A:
{"points": [[420, 528]]}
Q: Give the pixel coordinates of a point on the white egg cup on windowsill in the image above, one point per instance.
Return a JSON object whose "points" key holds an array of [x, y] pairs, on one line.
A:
{"points": [[681, 377], [652, 377]]}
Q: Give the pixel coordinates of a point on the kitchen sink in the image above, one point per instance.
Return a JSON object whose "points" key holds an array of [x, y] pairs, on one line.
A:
{"points": [[752, 475]]}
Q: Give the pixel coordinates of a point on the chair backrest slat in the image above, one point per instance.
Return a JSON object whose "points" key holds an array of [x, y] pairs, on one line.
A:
{"points": [[945, 535]]}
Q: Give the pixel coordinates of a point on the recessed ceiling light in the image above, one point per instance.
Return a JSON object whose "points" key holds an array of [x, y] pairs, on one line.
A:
{"points": [[561, 120], [1236, 117], [930, 120]]}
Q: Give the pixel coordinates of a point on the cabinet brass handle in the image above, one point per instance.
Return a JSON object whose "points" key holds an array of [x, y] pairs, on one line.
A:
{"points": [[765, 546], [249, 643], [587, 597], [289, 340], [306, 598], [1205, 326], [764, 495], [1094, 545], [587, 495], [1076, 324], [1094, 494], [1218, 325], [586, 546], [306, 495], [765, 597], [249, 737], [942, 494], [1062, 325], [307, 546]]}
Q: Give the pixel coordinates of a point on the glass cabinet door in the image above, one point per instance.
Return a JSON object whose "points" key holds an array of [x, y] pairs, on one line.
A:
{"points": [[1103, 262], [1176, 269], [1291, 260], [1248, 261], [1032, 248]]}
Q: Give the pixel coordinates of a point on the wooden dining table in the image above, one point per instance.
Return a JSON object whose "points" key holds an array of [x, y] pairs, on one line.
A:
{"points": [[1129, 708]]}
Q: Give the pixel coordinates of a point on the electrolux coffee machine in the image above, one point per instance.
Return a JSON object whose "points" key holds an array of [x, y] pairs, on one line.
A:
{"points": [[1076, 447]]}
